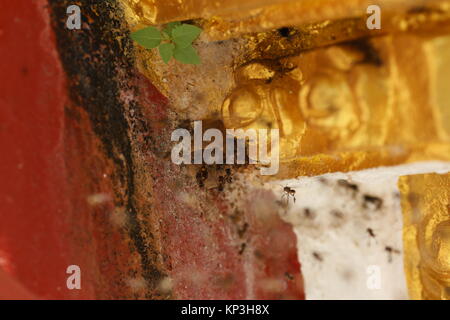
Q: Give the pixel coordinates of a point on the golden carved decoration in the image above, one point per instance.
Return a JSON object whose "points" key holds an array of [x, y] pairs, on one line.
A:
{"points": [[344, 97], [233, 18], [343, 107], [426, 209], [363, 96]]}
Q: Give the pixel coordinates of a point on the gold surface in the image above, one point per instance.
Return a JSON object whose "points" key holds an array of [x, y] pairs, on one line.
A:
{"points": [[348, 106], [361, 98], [426, 210], [309, 12], [231, 18]]}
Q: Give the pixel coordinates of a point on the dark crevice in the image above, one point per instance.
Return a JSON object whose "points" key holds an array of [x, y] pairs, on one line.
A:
{"points": [[92, 58]]}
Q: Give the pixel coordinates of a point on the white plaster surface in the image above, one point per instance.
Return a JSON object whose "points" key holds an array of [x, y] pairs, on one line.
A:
{"points": [[333, 221]]}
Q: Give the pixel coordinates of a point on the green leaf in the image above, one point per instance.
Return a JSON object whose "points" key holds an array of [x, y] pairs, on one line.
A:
{"points": [[186, 55], [149, 37], [183, 35], [166, 51], [170, 26], [165, 36]]}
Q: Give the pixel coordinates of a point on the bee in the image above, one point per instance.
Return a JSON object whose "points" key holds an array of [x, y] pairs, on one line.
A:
{"points": [[287, 194], [289, 276], [372, 236], [353, 188], [371, 202], [242, 248], [370, 232], [318, 256], [221, 183], [201, 176], [390, 251], [227, 178]]}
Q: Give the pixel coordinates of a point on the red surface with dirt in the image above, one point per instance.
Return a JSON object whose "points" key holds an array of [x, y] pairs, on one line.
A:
{"points": [[52, 162], [32, 203]]}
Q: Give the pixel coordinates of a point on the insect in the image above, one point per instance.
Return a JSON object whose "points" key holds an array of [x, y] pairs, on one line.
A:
{"points": [[390, 251], [289, 276], [227, 178], [201, 176], [221, 183], [337, 214], [243, 230], [287, 194], [370, 232], [309, 213], [318, 256], [353, 188], [372, 236], [242, 248], [371, 202]]}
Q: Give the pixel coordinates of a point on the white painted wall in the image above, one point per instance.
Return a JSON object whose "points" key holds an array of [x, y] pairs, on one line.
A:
{"points": [[339, 257]]}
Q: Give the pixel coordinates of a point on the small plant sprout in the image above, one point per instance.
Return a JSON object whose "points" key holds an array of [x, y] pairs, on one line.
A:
{"points": [[174, 41]]}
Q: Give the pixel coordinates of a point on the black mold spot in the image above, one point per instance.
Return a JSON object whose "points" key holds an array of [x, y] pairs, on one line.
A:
{"points": [[372, 202], [390, 252], [289, 276], [243, 230], [24, 71], [258, 254], [419, 9], [284, 32], [318, 256], [309, 213], [347, 185], [91, 58], [371, 55], [337, 214], [347, 275], [190, 21], [242, 249]]}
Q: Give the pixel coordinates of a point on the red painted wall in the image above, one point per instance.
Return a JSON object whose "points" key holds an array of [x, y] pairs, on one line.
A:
{"points": [[33, 255], [50, 163]]}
